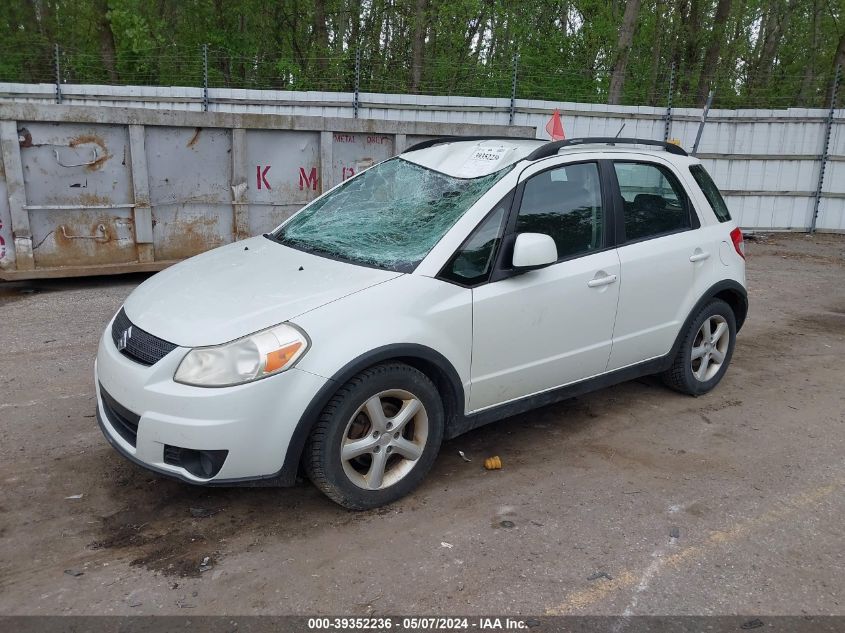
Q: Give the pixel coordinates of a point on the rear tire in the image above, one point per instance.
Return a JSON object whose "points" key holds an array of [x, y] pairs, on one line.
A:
{"points": [[705, 351], [377, 438]]}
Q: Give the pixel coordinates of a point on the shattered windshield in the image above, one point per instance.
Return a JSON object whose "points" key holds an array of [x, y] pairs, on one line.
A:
{"points": [[390, 216]]}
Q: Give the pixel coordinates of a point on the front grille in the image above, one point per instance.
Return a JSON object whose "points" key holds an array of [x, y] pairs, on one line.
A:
{"points": [[121, 419], [141, 346], [172, 455]]}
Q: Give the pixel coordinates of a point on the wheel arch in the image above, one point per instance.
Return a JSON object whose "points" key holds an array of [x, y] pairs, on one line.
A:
{"points": [[737, 299], [425, 359], [731, 292]]}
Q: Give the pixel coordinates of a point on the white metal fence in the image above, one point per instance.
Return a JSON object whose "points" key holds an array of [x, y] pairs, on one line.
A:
{"points": [[766, 162]]}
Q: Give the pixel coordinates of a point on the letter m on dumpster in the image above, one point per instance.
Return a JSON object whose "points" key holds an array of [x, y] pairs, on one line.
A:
{"points": [[308, 181]]}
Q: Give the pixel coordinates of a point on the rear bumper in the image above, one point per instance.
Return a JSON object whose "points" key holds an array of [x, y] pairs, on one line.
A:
{"points": [[146, 417]]}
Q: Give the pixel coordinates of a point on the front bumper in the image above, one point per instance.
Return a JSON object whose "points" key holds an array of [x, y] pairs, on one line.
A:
{"points": [[253, 423]]}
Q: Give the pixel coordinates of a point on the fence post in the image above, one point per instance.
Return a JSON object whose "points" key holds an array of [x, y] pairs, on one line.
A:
{"points": [[668, 125], [703, 121], [58, 74], [825, 147], [357, 86], [513, 88], [205, 77]]}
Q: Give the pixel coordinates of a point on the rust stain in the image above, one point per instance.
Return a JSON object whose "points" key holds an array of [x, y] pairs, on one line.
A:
{"points": [[80, 229], [98, 163], [58, 250], [184, 238], [194, 138], [207, 198], [25, 137], [93, 199], [84, 139]]}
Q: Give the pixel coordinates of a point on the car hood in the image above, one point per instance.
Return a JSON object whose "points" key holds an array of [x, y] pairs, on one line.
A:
{"points": [[241, 288]]}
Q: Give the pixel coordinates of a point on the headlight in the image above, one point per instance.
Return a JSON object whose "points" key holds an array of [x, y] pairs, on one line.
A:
{"points": [[249, 358]]}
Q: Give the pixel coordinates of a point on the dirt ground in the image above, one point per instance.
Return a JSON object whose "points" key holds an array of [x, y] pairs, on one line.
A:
{"points": [[632, 500]]}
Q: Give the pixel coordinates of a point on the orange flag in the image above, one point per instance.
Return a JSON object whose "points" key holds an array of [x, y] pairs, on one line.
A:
{"points": [[555, 127]]}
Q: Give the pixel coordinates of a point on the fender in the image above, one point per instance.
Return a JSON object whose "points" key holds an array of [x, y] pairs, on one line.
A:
{"points": [[732, 291], [431, 362]]}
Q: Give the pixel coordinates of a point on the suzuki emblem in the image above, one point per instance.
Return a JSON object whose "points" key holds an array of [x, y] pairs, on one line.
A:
{"points": [[123, 341]]}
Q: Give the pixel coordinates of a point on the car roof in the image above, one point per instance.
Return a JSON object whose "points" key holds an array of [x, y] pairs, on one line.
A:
{"points": [[477, 157], [474, 158]]}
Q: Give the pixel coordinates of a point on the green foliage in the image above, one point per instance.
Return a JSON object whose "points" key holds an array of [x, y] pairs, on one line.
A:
{"points": [[771, 53]]}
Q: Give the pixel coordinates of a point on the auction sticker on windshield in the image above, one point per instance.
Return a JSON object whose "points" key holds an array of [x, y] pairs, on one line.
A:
{"points": [[483, 161]]}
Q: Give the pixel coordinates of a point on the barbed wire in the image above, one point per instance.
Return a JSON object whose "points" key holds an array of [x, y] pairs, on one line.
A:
{"points": [[184, 65]]}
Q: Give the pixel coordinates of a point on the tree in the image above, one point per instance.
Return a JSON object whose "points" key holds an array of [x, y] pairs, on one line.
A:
{"points": [[417, 50], [714, 49], [623, 48], [751, 52], [776, 23], [838, 64]]}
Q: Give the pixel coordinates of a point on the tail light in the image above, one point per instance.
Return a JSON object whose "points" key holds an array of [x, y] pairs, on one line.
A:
{"points": [[739, 243]]}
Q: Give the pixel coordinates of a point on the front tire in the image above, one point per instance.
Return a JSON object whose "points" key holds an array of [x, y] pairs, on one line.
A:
{"points": [[377, 438], [705, 352]]}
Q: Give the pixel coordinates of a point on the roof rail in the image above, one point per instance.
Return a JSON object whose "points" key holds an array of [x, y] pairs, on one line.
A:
{"points": [[453, 139], [550, 149]]}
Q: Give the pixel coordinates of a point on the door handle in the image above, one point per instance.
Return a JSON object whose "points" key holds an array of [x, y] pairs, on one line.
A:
{"points": [[597, 281], [699, 256]]}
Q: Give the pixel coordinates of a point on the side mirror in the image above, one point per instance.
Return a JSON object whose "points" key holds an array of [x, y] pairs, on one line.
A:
{"points": [[532, 251]]}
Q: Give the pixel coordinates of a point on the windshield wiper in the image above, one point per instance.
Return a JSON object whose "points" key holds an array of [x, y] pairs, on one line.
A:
{"points": [[310, 248], [316, 250]]}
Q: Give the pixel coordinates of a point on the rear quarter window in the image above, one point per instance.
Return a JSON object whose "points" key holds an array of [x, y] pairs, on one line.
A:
{"points": [[711, 192]]}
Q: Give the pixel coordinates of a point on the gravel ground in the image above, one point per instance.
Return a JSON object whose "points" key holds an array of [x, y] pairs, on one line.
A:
{"points": [[633, 499]]}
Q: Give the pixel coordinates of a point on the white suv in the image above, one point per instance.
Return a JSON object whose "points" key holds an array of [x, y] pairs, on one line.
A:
{"points": [[459, 283]]}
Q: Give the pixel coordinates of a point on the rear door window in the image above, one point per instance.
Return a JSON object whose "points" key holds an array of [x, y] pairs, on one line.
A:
{"points": [[653, 200]]}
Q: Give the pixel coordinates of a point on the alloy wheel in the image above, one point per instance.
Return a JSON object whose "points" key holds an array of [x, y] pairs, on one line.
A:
{"points": [[384, 439], [710, 347]]}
